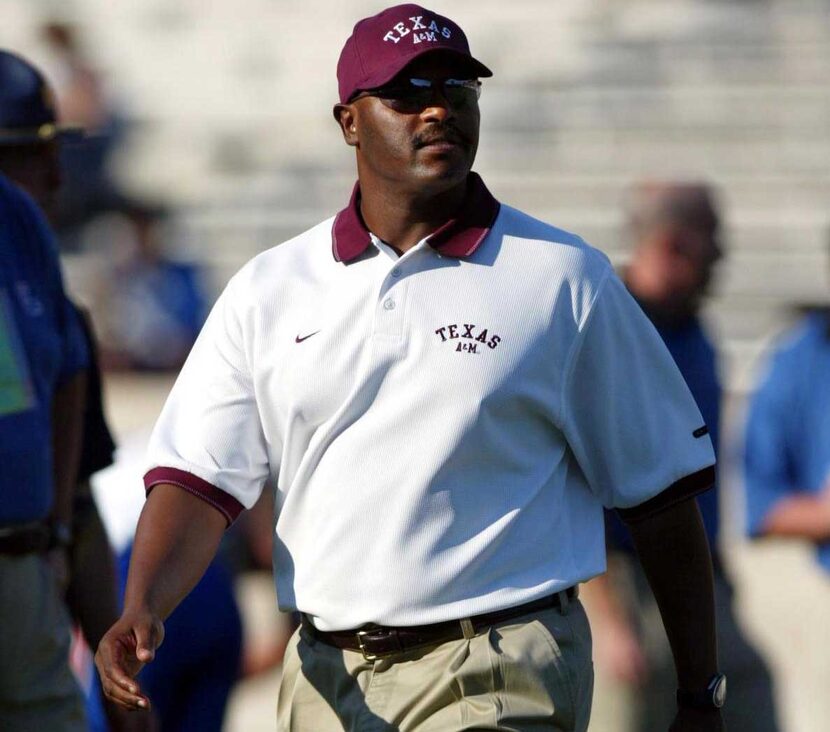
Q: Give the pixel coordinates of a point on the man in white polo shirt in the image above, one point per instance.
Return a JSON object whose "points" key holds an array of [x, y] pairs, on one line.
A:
{"points": [[445, 393]]}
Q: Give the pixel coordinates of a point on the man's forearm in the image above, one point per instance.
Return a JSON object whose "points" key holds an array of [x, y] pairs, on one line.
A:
{"points": [[177, 537], [803, 516], [67, 434], [675, 555]]}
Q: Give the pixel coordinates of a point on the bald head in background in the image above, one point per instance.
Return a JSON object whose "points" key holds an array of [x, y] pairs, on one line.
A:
{"points": [[673, 231]]}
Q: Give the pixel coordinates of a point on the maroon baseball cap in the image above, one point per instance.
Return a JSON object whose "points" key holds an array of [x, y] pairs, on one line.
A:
{"points": [[382, 45]]}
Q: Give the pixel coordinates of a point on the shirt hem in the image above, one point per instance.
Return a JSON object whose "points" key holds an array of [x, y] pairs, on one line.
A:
{"points": [[679, 491], [222, 501]]}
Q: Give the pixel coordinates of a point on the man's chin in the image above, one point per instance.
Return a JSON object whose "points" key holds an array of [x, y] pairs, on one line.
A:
{"points": [[444, 173]]}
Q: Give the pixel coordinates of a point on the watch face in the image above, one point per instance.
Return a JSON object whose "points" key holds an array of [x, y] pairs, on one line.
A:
{"points": [[719, 692]]}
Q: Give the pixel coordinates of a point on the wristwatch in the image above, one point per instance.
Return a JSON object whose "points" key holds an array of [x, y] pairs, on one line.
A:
{"points": [[712, 697]]}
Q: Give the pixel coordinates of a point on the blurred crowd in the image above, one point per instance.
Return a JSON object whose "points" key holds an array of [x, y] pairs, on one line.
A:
{"points": [[143, 311]]}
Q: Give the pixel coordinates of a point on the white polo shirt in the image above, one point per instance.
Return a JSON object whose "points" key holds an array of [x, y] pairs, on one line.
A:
{"points": [[443, 428]]}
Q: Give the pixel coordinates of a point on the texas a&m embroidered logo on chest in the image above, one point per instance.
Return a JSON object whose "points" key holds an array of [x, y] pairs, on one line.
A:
{"points": [[468, 337]]}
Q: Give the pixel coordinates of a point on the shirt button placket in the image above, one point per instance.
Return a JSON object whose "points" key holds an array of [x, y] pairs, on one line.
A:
{"points": [[391, 308]]}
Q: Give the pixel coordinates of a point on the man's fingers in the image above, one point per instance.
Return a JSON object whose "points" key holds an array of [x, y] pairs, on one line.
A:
{"points": [[120, 688], [117, 665], [123, 651], [115, 693], [147, 639], [117, 685]]}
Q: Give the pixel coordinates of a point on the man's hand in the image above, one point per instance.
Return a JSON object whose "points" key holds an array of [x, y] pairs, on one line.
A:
{"points": [[176, 539], [124, 650], [697, 720]]}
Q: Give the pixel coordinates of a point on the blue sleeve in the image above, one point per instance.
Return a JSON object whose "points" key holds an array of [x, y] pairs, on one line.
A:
{"points": [[768, 471]]}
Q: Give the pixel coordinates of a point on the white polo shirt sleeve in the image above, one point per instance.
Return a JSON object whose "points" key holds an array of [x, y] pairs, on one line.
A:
{"points": [[628, 416], [209, 439]]}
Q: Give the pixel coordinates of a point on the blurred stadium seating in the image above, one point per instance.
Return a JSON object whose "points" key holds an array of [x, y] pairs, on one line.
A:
{"points": [[230, 103]]}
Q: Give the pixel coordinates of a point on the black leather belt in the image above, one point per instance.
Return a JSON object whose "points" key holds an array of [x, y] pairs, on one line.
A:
{"points": [[25, 539], [377, 641]]}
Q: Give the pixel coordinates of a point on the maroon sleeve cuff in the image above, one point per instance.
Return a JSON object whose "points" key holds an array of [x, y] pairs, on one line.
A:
{"points": [[223, 502], [684, 488]]}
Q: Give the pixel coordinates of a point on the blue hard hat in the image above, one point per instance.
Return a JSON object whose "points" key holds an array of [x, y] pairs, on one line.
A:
{"points": [[27, 104]]}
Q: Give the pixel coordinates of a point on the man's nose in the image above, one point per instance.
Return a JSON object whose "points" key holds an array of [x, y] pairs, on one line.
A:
{"points": [[439, 107]]}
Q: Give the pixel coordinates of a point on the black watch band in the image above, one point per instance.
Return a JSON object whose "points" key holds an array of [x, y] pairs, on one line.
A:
{"points": [[712, 697]]}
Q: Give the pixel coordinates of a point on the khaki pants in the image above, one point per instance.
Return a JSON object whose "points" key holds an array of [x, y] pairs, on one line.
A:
{"points": [[37, 689], [528, 673]]}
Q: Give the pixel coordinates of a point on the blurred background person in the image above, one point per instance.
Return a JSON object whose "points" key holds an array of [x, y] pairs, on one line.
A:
{"points": [[30, 145], [674, 231], [82, 98], [786, 457], [44, 360], [201, 659], [150, 307]]}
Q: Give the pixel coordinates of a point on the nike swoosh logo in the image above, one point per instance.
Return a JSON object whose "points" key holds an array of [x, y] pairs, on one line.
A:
{"points": [[297, 339]]}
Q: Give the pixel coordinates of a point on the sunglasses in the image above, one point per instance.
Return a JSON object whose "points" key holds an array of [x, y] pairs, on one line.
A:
{"points": [[413, 95]]}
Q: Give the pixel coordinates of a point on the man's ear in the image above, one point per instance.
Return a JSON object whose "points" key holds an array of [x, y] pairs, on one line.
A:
{"points": [[347, 119]]}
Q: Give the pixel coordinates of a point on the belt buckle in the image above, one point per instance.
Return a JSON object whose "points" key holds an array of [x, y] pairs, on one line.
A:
{"points": [[366, 654]]}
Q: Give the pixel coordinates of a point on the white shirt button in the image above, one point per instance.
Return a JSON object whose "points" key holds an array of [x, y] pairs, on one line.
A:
{"points": [[389, 304], [396, 272]]}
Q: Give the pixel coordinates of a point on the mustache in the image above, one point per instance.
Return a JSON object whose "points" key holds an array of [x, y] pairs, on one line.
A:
{"points": [[445, 133]]}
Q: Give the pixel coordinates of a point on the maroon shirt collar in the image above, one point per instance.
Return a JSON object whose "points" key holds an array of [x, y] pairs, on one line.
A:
{"points": [[459, 237]]}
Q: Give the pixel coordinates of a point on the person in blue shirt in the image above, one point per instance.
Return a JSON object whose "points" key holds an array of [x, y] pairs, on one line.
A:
{"points": [[204, 644], [787, 441], [152, 306], [43, 361], [674, 229], [33, 346]]}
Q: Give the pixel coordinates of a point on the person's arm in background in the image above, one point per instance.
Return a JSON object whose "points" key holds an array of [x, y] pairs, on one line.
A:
{"points": [[801, 515], [67, 433], [67, 429], [617, 649], [776, 504], [92, 594], [68, 400], [178, 535], [674, 553]]}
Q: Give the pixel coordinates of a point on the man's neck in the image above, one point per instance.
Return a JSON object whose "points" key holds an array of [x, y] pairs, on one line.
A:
{"points": [[403, 218]]}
